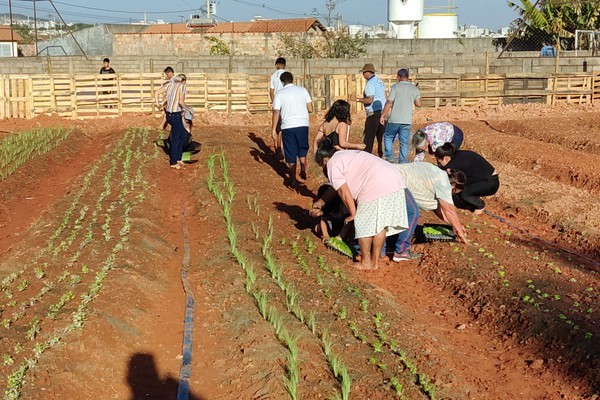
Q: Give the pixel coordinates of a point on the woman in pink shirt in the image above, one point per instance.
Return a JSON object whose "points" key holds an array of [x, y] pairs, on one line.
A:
{"points": [[373, 190]]}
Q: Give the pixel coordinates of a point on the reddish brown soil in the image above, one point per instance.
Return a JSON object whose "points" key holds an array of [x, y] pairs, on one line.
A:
{"points": [[506, 318]]}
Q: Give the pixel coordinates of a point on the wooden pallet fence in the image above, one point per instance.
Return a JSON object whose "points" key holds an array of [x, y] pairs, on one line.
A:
{"points": [[93, 96]]}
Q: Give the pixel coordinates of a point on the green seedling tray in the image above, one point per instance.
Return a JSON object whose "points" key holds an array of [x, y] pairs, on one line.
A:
{"points": [[187, 156], [438, 233], [341, 247]]}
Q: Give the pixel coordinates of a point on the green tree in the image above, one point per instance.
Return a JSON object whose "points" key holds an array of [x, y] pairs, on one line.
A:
{"points": [[25, 32], [557, 18]]}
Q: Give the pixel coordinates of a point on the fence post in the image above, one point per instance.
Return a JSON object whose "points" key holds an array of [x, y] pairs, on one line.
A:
{"points": [[327, 91]]}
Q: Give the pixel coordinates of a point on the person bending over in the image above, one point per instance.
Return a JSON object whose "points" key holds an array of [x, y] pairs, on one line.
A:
{"points": [[374, 192], [435, 135], [480, 178], [432, 191]]}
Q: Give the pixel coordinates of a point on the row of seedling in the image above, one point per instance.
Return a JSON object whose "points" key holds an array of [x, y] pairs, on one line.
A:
{"points": [[39, 272], [17, 149], [268, 312], [17, 378]]}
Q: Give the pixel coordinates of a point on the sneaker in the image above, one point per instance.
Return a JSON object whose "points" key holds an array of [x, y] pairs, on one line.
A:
{"points": [[406, 256]]}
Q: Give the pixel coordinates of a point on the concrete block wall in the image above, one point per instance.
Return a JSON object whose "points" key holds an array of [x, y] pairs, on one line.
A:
{"points": [[450, 64]]}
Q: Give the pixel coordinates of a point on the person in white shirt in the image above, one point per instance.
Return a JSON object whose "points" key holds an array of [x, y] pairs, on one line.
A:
{"points": [[292, 104], [275, 85]]}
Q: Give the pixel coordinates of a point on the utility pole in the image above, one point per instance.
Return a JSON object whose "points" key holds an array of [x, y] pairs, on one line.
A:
{"points": [[35, 28], [207, 9], [12, 35]]}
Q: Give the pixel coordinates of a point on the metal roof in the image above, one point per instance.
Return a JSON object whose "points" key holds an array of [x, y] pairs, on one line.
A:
{"points": [[5, 35]]}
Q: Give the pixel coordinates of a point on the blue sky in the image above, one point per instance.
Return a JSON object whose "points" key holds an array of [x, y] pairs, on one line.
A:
{"points": [[484, 13]]}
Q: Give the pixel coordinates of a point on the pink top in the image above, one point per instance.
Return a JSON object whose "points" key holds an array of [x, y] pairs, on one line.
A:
{"points": [[368, 177]]}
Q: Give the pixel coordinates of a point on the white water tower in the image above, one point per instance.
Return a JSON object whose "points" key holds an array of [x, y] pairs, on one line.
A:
{"points": [[404, 16]]}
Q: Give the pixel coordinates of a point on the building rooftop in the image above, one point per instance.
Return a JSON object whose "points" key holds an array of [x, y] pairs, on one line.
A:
{"points": [[5, 34], [269, 26]]}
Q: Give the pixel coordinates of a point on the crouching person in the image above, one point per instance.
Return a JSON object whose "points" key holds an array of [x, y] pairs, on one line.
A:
{"points": [[478, 178]]}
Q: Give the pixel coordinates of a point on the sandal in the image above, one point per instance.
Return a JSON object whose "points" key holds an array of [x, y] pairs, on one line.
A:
{"points": [[176, 166]]}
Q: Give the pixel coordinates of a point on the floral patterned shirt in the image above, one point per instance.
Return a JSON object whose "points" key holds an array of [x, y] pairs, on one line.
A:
{"points": [[437, 134]]}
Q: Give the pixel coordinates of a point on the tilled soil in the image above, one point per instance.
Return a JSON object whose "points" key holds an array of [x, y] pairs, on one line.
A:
{"points": [[513, 316]]}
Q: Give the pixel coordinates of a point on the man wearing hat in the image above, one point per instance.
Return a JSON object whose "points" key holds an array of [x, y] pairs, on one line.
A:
{"points": [[373, 99], [398, 112]]}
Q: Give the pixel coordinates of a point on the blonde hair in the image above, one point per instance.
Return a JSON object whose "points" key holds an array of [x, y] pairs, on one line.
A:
{"points": [[179, 78]]}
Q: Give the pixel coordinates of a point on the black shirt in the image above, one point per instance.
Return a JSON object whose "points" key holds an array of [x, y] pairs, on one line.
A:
{"points": [[107, 71], [474, 166]]}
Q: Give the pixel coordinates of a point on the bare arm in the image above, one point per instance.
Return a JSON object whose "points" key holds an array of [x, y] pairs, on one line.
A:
{"points": [[365, 100], [309, 107], [447, 212], [386, 111], [418, 102], [346, 196], [272, 94], [159, 93], [318, 137], [343, 133], [274, 122]]}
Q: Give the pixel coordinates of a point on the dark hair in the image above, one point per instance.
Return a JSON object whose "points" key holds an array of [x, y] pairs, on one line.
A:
{"points": [[457, 178], [339, 110], [447, 149], [325, 150], [106, 60], [333, 204], [280, 60], [403, 72], [169, 70], [286, 78]]}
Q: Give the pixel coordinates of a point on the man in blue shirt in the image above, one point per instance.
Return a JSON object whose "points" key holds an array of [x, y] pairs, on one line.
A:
{"points": [[373, 99]]}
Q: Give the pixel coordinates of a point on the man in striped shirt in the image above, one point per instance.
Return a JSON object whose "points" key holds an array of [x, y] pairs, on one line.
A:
{"points": [[175, 93]]}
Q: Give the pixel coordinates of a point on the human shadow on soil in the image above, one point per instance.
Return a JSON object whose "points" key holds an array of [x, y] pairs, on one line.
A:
{"points": [[265, 154], [299, 215], [145, 383]]}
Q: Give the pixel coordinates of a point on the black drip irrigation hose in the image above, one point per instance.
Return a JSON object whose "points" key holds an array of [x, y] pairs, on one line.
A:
{"points": [[183, 390], [542, 240]]}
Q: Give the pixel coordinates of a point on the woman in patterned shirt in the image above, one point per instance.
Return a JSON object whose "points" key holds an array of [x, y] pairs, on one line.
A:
{"points": [[435, 135]]}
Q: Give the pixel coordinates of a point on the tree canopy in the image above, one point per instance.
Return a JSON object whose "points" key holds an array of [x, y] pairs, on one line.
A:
{"points": [[557, 18]]}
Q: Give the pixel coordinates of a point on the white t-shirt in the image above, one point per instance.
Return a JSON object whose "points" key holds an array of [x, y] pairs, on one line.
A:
{"points": [[291, 100], [276, 83]]}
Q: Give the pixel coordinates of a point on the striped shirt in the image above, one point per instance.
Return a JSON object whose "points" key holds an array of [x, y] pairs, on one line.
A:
{"points": [[427, 183], [175, 93]]}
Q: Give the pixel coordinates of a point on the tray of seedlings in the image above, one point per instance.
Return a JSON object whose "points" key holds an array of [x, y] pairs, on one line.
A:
{"points": [[438, 233]]}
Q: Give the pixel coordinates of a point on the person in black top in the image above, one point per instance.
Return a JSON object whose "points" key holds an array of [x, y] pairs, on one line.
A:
{"points": [[478, 178], [106, 68], [336, 128]]}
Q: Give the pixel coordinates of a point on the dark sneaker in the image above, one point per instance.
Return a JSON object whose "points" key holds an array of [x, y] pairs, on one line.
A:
{"points": [[406, 256]]}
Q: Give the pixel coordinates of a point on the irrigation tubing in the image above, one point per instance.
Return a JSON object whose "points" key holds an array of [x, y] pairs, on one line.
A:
{"points": [[542, 240], [183, 390]]}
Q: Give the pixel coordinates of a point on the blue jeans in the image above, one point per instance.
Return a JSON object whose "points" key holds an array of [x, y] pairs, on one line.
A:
{"points": [[403, 133], [177, 137], [413, 213]]}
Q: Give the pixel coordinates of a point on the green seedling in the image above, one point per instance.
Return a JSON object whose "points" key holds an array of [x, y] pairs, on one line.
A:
{"points": [[39, 273], [377, 346], [312, 322], [34, 329], [310, 245], [327, 293], [364, 305], [342, 313], [7, 360], [23, 285], [396, 385]]}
